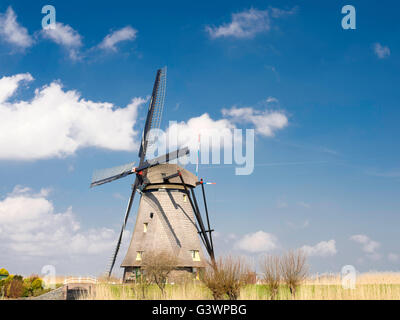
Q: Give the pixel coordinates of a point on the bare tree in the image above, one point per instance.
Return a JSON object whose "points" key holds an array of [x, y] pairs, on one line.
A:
{"points": [[142, 285], [210, 278], [157, 266], [226, 277], [294, 269], [271, 269]]}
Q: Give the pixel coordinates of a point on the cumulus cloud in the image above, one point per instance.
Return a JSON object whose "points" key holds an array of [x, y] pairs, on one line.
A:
{"points": [[187, 133], [112, 39], [248, 23], [322, 249], [30, 226], [218, 134], [369, 246], [259, 241], [265, 122], [381, 51], [65, 36], [56, 123], [9, 85], [12, 32]]}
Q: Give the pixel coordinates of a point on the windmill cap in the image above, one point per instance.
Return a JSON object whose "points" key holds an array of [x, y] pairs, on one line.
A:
{"points": [[157, 175]]}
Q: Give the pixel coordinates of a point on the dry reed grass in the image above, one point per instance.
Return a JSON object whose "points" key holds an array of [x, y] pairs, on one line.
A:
{"points": [[369, 286]]}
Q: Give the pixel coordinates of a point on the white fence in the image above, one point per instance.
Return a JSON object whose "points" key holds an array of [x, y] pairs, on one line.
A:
{"points": [[90, 280]]}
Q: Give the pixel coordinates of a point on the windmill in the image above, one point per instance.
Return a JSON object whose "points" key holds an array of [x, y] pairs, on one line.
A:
{"points": [[168, 217]]}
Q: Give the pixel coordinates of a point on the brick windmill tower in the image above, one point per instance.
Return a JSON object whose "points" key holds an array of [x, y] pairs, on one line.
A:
{"points": [[168, 218]]}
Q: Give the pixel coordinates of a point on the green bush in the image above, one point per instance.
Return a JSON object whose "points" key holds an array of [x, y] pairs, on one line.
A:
{"points": [[33, 286], [3, 272], [15, 286], [4, 284]]}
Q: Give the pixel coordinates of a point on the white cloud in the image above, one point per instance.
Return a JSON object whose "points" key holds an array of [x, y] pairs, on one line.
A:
{"points": [[322, 249], [111, 40], [9, 85], [371, 246], [248, 23], [31, 227], [65, 36], [217, 134], [272, 100], [12, 32], [360, 238], [231, 236], [381, 51], [393, 257], [71, 123], [368, 246], [187, 133], [259, 241], [56, 123], [265, 122]]}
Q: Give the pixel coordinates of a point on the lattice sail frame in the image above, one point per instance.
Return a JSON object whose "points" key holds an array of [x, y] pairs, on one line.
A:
{"points": [[160, 99], [102, 176], [158, 107]]}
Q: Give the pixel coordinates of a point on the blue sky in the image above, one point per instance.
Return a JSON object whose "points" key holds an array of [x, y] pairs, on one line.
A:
{"points": [[328, 180]]}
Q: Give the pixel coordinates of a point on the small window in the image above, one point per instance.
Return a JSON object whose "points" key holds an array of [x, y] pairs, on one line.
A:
{"points": [[195, 255], [151, 215], [184, 198], [139, 255], [145, 225]]}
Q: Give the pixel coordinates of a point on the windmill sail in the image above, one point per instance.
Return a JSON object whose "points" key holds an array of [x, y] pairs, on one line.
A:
{"points": [[153, 118], [128, 209], [154, 115], [164, 158], [110, 174], [159, 100]]}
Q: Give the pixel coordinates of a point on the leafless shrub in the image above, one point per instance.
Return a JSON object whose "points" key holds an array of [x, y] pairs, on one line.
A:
{"points": [[142, 285], [210, 279], [294, 269], [226, 277], [157, 266], [271, 270], [249, 276], [16, 287]]}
